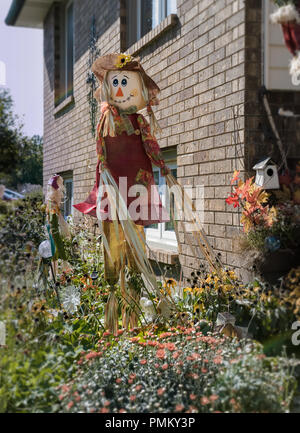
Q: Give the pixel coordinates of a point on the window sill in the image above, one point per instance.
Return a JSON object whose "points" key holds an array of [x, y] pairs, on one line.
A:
{"points": [[165, 25], [65, 104], [166, 256]]}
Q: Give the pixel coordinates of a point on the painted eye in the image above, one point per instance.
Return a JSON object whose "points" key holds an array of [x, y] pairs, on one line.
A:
{"points": [[115, 82], [124, 82]]}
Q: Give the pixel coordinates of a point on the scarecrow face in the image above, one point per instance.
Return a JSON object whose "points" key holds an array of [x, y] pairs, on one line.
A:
{"points": [[126, 89]]}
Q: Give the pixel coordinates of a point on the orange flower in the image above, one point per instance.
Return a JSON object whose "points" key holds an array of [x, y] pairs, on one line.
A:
{"points": [[236, 175], [143, 361]]}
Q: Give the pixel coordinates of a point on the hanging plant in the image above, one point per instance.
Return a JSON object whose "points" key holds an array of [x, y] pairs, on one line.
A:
{"points": [[288, 16]]}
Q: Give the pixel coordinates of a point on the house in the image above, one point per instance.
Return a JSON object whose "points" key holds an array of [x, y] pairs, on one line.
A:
{"points": [[210, 59]]}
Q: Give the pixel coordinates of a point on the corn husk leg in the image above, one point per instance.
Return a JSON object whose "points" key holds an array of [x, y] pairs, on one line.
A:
{"points": [[113, 260]]}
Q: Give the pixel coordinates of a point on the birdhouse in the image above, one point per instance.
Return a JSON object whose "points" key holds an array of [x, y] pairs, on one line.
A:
{"points": [[266, 174]]}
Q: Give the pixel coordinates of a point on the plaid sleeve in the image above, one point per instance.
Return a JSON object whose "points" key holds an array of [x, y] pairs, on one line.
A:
{"points": [[151, 146]]}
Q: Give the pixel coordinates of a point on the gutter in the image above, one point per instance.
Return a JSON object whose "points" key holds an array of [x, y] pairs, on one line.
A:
{"points": [[14, 12]]}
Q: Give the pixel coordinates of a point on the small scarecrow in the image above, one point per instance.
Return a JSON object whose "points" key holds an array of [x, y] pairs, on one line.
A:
{"points": [[56, 225], [125, 198]]}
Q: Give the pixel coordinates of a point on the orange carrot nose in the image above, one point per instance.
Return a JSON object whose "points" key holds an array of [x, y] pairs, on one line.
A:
{"points": [[119, 92]]}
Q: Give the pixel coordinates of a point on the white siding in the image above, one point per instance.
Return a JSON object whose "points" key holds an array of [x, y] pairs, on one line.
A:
{"points": [[276, 55]]}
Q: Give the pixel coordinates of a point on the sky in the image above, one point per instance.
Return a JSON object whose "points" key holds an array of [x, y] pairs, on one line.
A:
{"points": [[21, 55]]}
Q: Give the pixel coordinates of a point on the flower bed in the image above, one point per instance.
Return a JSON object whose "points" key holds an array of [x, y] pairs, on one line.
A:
{"points": [[60, 358], [178, 371]]}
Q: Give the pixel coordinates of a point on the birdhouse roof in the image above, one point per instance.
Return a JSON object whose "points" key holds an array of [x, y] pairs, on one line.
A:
{"points": [[263, 163]]}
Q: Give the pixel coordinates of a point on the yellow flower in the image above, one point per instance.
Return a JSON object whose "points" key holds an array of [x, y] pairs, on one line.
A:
{"points": [[188, 290], [170, 282], [122, 60]]}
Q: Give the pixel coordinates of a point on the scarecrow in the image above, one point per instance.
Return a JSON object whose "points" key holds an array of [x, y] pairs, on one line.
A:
{"points": [[56, 225], [125, 198]]}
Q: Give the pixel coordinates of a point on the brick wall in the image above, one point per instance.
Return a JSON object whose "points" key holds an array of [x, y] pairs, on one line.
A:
{"points": [[199, 64], [200, 68]]}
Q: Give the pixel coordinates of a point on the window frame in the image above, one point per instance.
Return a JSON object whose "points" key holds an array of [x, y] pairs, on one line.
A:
{"points": [[69, 4], [160, 237], [134, 22], [68, 179]]}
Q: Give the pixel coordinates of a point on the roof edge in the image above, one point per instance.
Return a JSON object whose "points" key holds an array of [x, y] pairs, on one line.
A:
{"points": [[14, 12]]}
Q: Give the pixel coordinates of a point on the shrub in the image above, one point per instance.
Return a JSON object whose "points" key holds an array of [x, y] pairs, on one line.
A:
{"points": [[178, 371]]}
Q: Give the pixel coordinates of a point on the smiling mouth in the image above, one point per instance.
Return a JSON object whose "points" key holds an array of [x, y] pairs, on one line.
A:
{"points": [[125, 100]]}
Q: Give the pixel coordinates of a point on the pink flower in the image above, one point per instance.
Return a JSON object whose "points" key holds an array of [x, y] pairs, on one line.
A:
{"points": [[193, 396], [160, 391], [165, 366], [213, 397], [106, 334], [204, 401], [138, 388], [118, 380], [104, 410], [70, 404], [171, 347], [161, 354], [175, 355], [143, 361], [132, 397], [106, 403], [91, 355], [218, 360], [61, 397], [179, 408]]}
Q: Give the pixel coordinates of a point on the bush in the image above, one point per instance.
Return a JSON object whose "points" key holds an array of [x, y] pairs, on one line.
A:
{"points": [[178, 371]]}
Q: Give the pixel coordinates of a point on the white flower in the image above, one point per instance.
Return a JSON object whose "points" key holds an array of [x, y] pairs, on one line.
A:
{"points": [[71, 299]]}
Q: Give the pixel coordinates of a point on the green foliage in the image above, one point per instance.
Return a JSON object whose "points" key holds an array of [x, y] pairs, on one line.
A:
{"points": [[10, 135], [31, 161], [21, 157]]}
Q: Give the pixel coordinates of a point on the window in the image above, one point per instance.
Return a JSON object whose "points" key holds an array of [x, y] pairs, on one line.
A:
{"points": [[163, 235], [64, 52], [276, 55], [144, 15], [68, 199], [69, 48]]}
